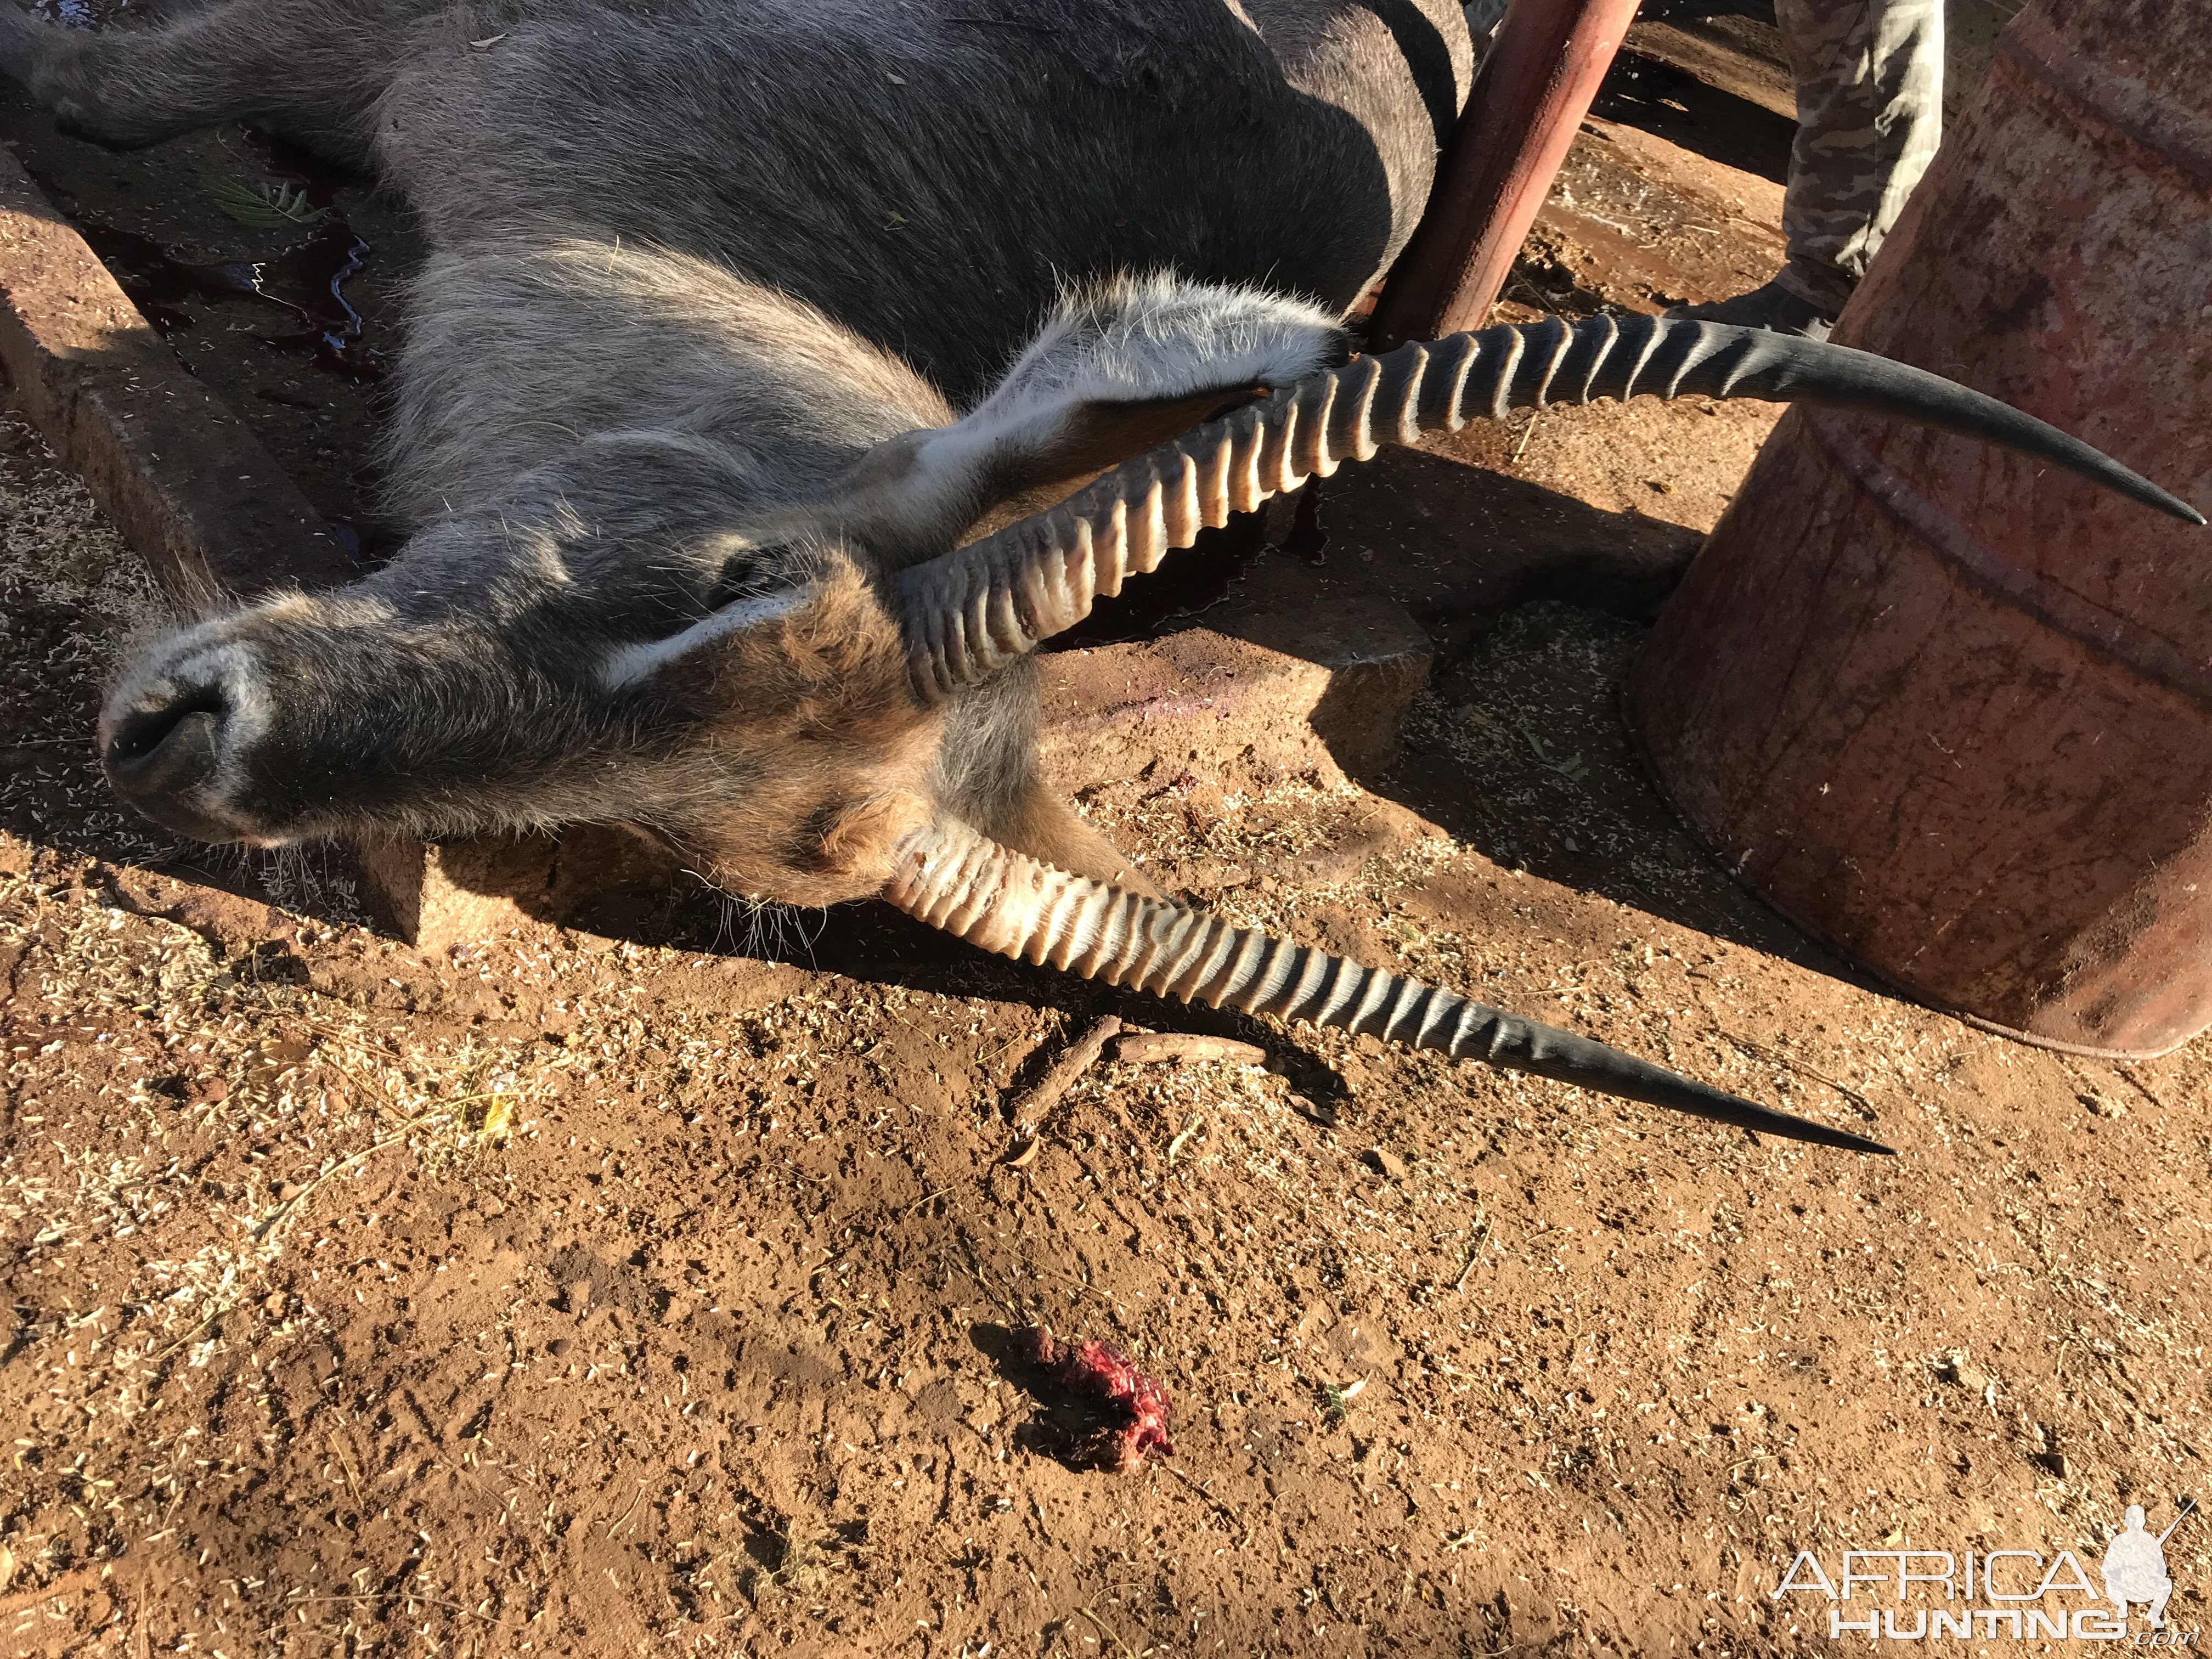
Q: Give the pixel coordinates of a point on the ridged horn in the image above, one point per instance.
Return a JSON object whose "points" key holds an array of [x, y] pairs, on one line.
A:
{"points": [[969, 612], [953, 878]]}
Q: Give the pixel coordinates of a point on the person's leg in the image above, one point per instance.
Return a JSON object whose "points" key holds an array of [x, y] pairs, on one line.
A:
{"points": [[1869, 77], [2158, 1604], [1869, 114]]}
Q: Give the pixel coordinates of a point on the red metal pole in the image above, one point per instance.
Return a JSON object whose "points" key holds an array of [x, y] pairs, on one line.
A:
{"points": [[1528, 100]]}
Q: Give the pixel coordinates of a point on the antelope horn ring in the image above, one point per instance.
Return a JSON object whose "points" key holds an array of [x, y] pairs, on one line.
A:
{"points": [[969, 612], [953, 878]]}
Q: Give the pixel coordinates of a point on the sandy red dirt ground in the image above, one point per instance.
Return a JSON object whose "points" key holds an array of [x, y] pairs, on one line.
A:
{"points": [[563, 1294], [560, 1292]]}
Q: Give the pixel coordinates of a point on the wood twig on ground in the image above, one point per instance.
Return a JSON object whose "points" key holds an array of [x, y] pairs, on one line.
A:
{"points": [[1473, 1253], [1150, 1048], [1031, 1106]]}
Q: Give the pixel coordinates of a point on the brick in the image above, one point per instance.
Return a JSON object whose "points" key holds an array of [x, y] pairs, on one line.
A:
{"points": [[1298, 671]]}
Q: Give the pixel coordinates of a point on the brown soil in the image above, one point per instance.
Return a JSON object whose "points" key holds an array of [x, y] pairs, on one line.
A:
{"points": [[572, 1294], [567, 1295]]}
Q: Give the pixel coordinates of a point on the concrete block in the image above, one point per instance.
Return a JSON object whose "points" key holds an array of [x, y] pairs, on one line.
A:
{"points": [[186, 484], [1300, 670], [189, 487]]}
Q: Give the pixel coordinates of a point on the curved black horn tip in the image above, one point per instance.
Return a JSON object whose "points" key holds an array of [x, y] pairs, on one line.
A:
{"points": [[1817, 1134], [2133, 483], [1569, 1057], [1681, 1094], [1720, 1107]]}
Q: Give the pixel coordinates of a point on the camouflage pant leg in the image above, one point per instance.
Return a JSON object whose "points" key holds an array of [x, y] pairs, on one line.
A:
{"points": [[1869, 112]]}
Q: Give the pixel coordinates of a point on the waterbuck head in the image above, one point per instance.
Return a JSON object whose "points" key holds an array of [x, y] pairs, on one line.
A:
{"points": [[687, 616], [771, 662]]}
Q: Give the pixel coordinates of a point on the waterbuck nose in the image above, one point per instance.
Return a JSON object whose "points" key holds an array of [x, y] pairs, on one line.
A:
{"points": [[162, 754]]}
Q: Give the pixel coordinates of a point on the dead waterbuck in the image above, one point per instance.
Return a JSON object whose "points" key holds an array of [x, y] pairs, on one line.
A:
{"points": [[759, 348]]}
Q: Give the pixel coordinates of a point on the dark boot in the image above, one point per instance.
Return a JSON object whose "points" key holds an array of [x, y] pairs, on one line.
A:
{"points": [[1785, 306]]}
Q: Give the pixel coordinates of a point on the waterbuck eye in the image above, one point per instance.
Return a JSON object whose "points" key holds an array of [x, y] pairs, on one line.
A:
{"points": [[746, 573]]}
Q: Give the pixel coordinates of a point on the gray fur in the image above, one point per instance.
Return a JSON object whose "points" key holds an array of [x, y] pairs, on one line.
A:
{"points": [[710, 282]]}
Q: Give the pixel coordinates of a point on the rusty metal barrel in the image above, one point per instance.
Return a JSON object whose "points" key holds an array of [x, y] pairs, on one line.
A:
{"points": [[1945, 709]]}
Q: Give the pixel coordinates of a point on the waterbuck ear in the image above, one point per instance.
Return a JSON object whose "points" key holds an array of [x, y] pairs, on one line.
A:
{"points": [[758, 658], [696, 651], [1120, 367]]}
